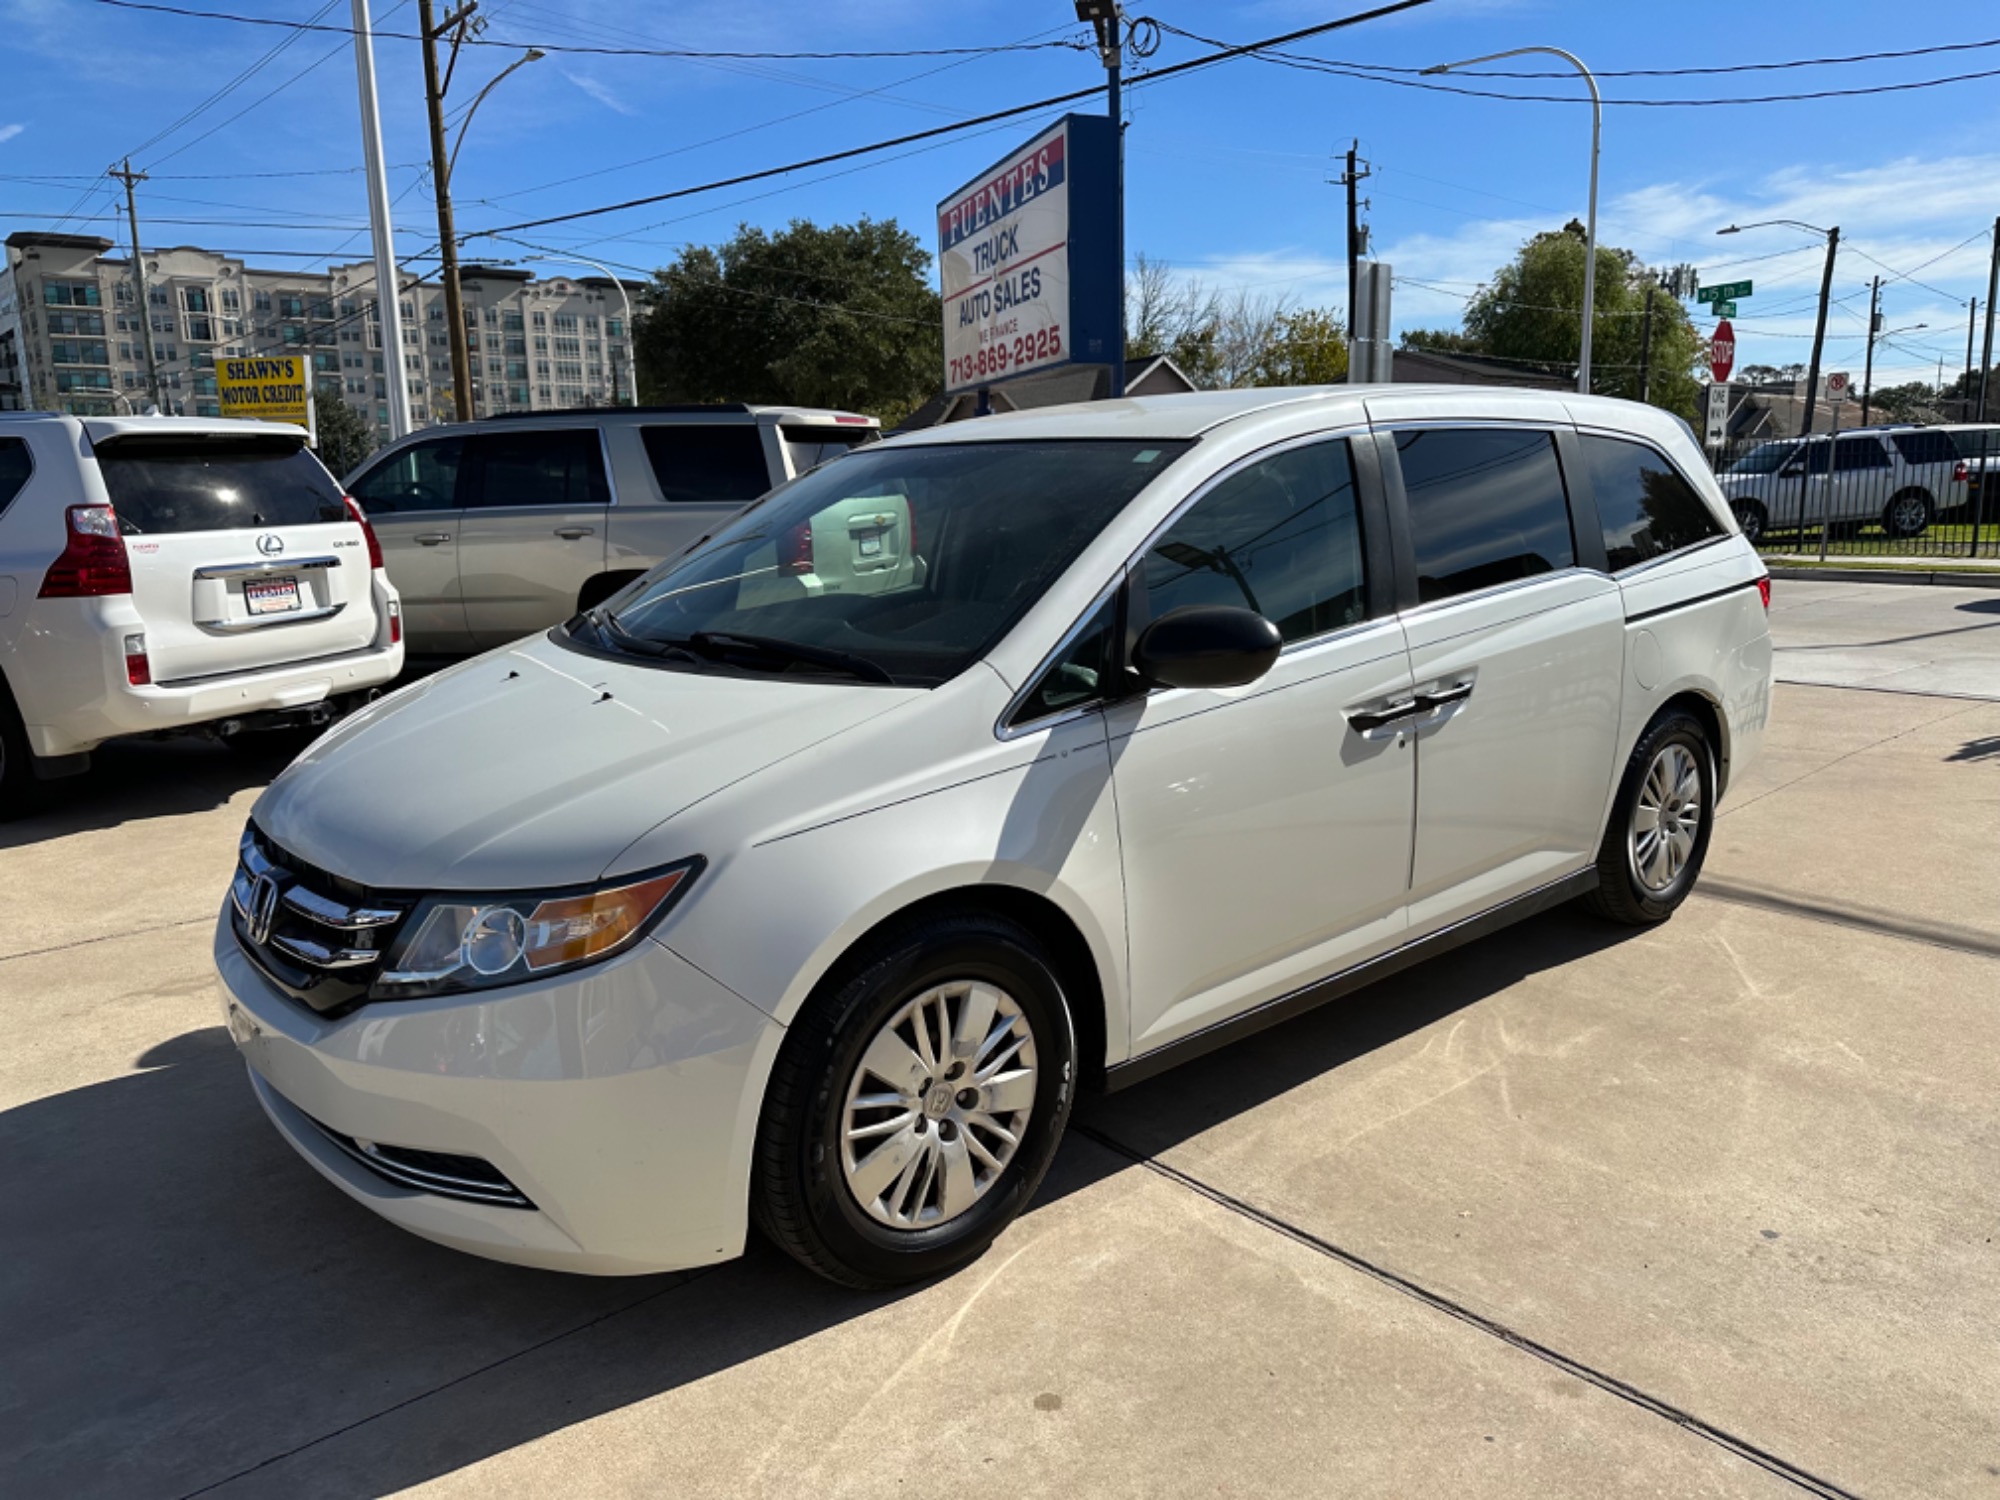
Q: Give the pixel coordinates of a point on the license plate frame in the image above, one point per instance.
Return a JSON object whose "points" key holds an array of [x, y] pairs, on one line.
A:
{"points": [[263, 597]]}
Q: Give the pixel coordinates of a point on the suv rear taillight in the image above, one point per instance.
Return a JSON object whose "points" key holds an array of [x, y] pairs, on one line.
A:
{"points": [[1764, 591], [795, 550], [361, 520], [1959, 473], [93, 561]]}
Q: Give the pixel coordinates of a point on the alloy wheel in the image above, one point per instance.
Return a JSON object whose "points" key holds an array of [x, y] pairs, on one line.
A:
{"points": [[938, 1105], [1665, 818], [1907, 515]]}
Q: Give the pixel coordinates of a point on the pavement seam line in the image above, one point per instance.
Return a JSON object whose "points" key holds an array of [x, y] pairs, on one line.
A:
{"points": [[1742, 1448], [1971, 706], [390, 1410], [107, 937], [1930, 934]]}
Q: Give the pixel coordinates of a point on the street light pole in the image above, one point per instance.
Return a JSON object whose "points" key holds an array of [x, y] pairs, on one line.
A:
{"points": [[1589, 315], [1107, 19], [631, 354], [1868, 360], [388, 291]]}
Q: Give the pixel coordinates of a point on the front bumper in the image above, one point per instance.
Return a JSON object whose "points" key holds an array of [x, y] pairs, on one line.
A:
{"points": [[621, 1101]]}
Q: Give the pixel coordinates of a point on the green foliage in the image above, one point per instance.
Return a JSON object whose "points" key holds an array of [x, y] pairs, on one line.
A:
{"points": [[346, 437], [1438, 341], [1307, 347], [1531, 310], [840, 316]]}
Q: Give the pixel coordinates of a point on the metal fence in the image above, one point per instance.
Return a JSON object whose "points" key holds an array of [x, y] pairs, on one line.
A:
{"points": [[1888, 491]]}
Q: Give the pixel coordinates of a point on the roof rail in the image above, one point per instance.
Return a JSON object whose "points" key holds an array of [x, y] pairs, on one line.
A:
{"points": [[713, 408]]}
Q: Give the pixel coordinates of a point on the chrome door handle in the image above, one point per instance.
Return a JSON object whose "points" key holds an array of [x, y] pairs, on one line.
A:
{"points": [[571, 533], [432, 538], [1381, 716]]}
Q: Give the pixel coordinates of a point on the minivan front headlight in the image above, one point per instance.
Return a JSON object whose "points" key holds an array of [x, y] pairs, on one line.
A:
{"points": [[455, 943]]}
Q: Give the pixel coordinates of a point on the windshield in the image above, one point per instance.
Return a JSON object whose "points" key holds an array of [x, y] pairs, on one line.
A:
{"points": [[901, 565], [1763, 459]]}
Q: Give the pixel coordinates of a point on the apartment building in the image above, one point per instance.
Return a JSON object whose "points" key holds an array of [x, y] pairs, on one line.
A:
{"points": [[72, 332]]}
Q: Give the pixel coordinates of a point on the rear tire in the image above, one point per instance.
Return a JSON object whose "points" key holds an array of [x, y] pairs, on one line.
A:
{"points": [[1658, 834], [869, 1070], [1752, 520], [1908, 514]]}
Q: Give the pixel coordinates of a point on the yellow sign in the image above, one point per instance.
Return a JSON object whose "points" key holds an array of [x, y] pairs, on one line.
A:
{"points": [[269, 387]]}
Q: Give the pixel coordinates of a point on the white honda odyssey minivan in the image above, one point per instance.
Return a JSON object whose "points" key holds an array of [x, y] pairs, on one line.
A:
{"points": [[804, 880]]}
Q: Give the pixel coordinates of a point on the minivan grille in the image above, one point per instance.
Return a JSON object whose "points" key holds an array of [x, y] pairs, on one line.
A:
{"points": [[319, 938]]}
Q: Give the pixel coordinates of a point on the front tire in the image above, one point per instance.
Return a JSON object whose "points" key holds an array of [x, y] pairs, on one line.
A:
{"points": [[917, 1103], [1660, 824]]}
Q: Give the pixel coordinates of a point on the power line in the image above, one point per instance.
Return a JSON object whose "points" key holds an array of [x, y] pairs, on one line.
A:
{"points": [[1071, 44], [1032, 107], [241, 78]]}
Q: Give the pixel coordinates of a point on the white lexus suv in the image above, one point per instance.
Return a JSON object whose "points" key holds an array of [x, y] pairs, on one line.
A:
{"points": [[159, 573], [804, 879]]}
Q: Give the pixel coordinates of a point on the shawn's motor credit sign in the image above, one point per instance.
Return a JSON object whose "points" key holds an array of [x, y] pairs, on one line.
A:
{"points": [[1027, 256], [270, 387]]}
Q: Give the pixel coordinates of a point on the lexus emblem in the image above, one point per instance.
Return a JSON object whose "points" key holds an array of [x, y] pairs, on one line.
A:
{"points": [[270, 544], [263, 908]]}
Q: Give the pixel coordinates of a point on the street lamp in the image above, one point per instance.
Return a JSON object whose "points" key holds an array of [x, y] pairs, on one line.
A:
{"points": [[1819, 340], [631, 357], [533, 54], [1590, 224]]}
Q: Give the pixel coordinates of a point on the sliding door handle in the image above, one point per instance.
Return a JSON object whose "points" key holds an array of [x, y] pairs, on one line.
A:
{"points": [[1458, 692], [1382, 715]]}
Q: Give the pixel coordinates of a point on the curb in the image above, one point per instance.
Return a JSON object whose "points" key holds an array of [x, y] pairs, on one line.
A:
{"points": [[1941, 577]]}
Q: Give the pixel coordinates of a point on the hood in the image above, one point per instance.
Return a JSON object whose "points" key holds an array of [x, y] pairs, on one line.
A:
{"points": [[534, 766]]}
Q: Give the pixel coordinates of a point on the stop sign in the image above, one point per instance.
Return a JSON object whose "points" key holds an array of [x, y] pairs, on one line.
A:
{"points": [[1722, 351]]}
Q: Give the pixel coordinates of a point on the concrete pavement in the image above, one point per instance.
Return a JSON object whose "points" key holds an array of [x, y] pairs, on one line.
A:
{"points": [[1705, 1210]]}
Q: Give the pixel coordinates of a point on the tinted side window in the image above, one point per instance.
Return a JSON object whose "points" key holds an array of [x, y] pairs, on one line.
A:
{"points": [[15, 467], [1850, 454], [1925, 447], [1486, 506], [1282, 537], [165, 485], [537, 468], [714, 464], [1080, 674], [423, 476], [808, 447], [1646, 508]]}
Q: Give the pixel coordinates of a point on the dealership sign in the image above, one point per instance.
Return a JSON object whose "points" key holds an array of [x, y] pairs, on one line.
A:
{"points": [[1028, 258], [270, 388]]}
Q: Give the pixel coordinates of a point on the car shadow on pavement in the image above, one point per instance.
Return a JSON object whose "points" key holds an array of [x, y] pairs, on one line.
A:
{"points": [[189, 1305], [133, 780]]}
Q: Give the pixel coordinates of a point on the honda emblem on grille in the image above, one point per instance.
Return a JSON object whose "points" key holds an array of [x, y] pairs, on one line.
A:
{"points": [[270, 544], [263, 908]]}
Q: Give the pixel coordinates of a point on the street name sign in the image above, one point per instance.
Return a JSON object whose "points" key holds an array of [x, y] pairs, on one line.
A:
{"points": [[1028, 258], [1725, 309], [1723, 291]]}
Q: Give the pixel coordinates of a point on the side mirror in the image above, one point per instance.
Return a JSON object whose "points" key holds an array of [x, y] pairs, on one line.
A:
{"points": [[1207, 646]]}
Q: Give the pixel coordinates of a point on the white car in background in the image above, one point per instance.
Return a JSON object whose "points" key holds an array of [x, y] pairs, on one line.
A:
{"points": [[1900, 478], [804, 880], [160, 573]]}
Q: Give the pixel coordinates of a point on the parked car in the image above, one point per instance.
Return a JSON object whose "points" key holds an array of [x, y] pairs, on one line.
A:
{"points": [[1901, 478], [747, 897], [496, 529], [165, 573]]}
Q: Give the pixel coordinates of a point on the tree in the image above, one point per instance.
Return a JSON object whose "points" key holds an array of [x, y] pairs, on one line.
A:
{"points": [[1531, 312], [1308, 348], [1438, 341], [345, 436], [840, 316], [1177, 317]]}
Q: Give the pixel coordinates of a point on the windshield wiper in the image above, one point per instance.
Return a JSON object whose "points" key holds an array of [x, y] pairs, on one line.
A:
{"points": [[714, 642], [610, 630]]}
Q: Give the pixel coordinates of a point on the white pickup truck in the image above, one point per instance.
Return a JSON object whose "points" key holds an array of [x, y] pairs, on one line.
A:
{"points": [[159, 574]]}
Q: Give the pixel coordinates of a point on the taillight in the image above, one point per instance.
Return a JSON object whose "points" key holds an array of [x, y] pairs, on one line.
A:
{"points": [[138, 671], [93, 561], [1764, 591], [361, 520], [795, 549], [1959, 473]]}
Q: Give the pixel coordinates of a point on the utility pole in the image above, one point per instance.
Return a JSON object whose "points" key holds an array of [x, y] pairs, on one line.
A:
{"points": [[1106, 18], [1992, 291], [1646, 348], [1868, 360], [1819, 333], [1351, 179], [131, 179], [1971, 324], [454, 309]]}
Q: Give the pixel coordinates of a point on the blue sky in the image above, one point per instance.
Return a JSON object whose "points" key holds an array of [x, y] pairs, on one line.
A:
{"points": [[1227, 168]]}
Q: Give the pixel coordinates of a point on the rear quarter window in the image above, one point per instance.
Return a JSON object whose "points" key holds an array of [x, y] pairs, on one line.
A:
{"points": [[165, 485], [15, 467], [1925, 447], [1646, 508], [808, 447], [1487, 506], [716, 464]]}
